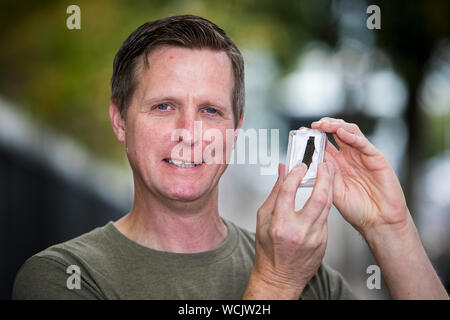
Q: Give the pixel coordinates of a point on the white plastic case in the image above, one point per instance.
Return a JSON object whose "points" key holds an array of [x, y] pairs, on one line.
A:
{"points": [[298, 141]]}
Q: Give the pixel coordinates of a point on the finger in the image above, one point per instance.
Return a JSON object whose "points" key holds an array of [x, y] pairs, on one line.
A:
{"points": [[269, 204], [323, 218], [286, 197], [331, 125], [329, 119], [338, 180], [318, 200], [330, 146], [335, 163], [318, 124], [359, 142], [341, 144], [331, 149]]}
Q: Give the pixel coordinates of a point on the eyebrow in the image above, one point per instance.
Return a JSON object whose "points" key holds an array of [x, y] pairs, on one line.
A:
{"points": [[147, 101]]}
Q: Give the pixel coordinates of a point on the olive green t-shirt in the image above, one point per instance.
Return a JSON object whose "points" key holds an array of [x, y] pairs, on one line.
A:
{"points": [[111, 266]]}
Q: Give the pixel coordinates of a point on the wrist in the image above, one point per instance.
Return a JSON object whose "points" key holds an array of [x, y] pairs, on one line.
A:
{"points": [[395, 233], [271, 287]]}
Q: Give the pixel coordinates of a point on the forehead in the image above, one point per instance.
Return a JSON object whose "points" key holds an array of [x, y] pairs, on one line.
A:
{"points": [[176, 70], [164, 52]]}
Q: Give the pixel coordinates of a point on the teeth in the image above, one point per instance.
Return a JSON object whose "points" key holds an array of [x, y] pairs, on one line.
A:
{"points": [[182, 164]]}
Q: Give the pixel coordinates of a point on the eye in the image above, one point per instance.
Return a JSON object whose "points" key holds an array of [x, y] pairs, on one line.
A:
{"points": [[163, 106], [210, 110]]}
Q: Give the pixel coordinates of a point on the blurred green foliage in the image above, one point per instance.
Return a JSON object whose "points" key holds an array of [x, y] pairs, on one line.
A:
{"points": [[61, 77]]}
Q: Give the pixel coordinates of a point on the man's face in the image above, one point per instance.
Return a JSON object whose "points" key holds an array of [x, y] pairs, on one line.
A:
{"points": [[180, 87]]}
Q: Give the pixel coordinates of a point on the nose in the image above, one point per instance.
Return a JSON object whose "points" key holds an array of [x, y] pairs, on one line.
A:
{"points": [[192, 125]]}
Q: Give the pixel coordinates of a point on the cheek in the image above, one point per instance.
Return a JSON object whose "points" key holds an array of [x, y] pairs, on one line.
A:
{"points": [[218, 135], [144, 139]]}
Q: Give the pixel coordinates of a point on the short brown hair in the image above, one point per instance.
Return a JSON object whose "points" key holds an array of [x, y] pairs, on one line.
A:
{"points": [[186, 31]]}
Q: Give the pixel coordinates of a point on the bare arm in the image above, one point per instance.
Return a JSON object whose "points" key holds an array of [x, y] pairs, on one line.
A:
{"points": [[368, 195], [404, 264]]}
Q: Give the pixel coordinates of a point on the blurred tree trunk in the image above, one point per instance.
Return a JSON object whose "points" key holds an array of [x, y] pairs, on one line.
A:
{"points": [[409, 33]]}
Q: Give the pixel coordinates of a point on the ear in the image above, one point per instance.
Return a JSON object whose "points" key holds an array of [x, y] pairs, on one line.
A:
{"points": [[118, 123]]}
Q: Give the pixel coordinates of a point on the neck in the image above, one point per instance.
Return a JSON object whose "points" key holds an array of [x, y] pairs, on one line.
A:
{"points": [[174, 226]]}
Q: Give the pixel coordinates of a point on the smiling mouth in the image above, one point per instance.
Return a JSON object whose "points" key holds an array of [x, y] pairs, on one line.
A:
{"points": [[182, 164]]}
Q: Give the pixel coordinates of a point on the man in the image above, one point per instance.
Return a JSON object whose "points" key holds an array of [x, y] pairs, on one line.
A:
{"points": [[169, 75]]}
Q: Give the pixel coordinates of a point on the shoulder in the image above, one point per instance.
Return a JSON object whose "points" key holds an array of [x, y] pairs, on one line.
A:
{"points": [[45, 274], [87, 246]]}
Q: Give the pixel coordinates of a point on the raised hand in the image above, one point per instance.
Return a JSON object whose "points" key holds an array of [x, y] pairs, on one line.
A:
{"points": [[369, 196], [366, 189], [290, 244]]}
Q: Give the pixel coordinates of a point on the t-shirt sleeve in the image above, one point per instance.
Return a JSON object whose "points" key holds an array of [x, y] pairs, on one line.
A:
{"points": [[327, 284], [45, 278]]}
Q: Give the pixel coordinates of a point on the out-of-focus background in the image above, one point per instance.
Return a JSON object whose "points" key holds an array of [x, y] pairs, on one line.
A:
{"points": [[63, 173]]}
